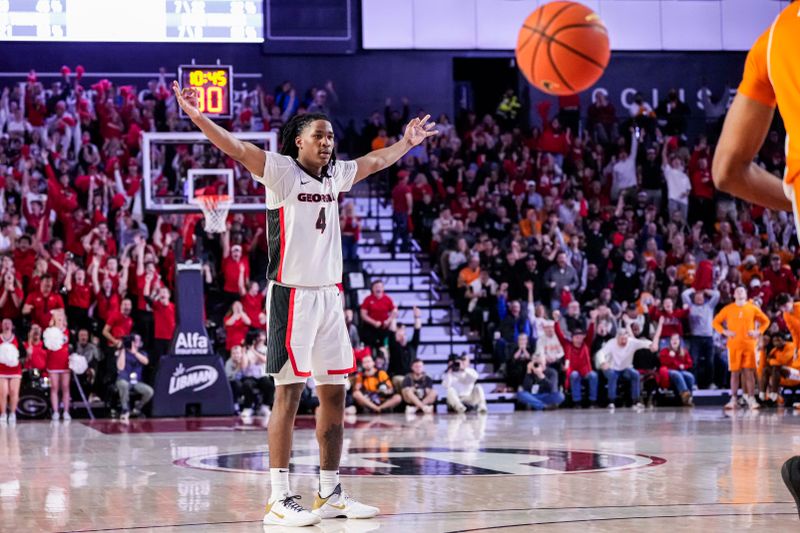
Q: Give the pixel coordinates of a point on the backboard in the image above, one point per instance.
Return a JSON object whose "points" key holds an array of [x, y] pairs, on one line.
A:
{"points": [[177, 166]]}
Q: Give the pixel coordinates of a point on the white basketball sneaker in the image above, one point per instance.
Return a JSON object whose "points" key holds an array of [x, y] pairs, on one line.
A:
{"points": [[340, 504], [285, 511]]}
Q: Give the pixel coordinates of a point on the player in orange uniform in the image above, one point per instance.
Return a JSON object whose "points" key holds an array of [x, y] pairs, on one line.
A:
{"points": [[771, 76], [743, 323], [782, 354]]}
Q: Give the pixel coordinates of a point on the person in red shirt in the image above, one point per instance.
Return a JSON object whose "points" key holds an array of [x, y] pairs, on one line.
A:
{"points": [[677, 362], [577, 361], [107, 297], [119, 325], [58, 365], [40, 304], [235, 270], [673, 319], [780, 277], [10, 376], [701, 201], [402, 205], [79, 297], [377, 312], [148, 281], [36, 357], [351, 232], [57, 258], [24, 258], [11, 298], [254, 306], [100, 234], [237, 324], [164, 329]]}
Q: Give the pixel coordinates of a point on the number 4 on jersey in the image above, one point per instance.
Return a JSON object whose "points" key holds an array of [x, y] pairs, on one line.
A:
{"points": [[321, 221]]}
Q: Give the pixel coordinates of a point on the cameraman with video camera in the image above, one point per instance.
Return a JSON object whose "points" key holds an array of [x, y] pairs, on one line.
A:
{"points": [[461, 383], [130, 364]]}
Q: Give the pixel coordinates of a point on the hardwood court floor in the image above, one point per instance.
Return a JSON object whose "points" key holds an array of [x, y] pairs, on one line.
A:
{"points": [[564, 471]]}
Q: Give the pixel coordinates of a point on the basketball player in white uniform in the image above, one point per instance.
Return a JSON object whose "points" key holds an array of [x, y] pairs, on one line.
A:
{"points": [[307, 336]]}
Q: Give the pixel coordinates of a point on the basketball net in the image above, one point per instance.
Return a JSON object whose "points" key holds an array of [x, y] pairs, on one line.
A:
{"points": [[215, 210]]}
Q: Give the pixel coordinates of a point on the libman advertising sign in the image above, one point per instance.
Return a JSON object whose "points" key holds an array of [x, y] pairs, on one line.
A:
{"points": [[196, 378], [192, 384], [191, 378]]}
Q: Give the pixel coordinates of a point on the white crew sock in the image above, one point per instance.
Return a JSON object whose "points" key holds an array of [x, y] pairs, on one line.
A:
{"points": [[773, 396], [279, 480], [328, 480]]}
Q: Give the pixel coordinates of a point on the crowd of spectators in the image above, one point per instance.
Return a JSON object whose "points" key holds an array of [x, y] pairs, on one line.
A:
{"points": [[577, 254], [74, 237], [583, 254]]}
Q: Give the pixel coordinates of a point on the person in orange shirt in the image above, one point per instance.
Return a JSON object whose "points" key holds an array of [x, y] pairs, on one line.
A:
{"points": [[749, 269], [771, 77], [530, 225], [742, 322], [791, 315], [687, 270], [469, 273], [782, 354]]}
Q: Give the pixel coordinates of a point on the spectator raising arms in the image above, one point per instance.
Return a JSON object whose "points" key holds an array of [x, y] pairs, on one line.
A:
{"points": [[615, 360], [578, 362]]}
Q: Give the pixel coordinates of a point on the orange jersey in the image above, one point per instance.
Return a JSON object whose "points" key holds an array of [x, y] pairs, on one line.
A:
{"points": [[782, 356], [792, 320], [741, 320], [772, 76]]}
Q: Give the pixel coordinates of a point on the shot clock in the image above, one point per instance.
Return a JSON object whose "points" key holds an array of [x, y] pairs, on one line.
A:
{"points": [[213, 84]]}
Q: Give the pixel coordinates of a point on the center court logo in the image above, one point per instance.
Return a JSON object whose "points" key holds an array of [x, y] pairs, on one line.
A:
{"points": [[198, 376], [436, 461]]}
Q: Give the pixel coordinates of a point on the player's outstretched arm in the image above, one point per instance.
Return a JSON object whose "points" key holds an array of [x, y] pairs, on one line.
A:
{"points": [[416, 131], [733, 170], [248, 154]]}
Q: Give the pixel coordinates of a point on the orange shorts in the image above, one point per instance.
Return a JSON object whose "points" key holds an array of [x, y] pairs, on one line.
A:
{"points": [[740, 357]]}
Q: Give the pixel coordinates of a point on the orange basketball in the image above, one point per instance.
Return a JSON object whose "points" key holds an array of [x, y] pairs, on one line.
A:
{"points": [[563, 48]]}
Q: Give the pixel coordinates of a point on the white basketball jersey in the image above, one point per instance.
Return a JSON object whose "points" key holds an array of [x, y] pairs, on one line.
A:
{"points": [[303, 234]]}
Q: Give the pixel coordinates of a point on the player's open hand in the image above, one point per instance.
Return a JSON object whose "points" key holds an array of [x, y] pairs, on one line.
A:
{"points": [[419, 129], [188, 100]]}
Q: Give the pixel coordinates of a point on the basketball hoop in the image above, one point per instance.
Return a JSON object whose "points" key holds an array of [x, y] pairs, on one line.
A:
{"points": [[215, 209]]}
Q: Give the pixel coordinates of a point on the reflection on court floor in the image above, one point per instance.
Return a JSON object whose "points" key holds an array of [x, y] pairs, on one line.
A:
{"points": [[561, 471]]}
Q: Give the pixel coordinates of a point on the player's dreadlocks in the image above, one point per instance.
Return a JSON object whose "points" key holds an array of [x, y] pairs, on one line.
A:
{"points": [[292, 129]]}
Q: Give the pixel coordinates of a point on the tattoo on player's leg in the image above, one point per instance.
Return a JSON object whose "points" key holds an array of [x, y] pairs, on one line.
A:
{"points": [[331, 447]]}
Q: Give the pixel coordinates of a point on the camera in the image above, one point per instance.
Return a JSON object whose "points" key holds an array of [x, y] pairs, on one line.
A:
{"points": [[127, 342]]}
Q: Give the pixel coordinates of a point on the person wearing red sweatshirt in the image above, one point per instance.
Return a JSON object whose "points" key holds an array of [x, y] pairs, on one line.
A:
{"points": [[673, 320], [677, 362], [577, 360]]}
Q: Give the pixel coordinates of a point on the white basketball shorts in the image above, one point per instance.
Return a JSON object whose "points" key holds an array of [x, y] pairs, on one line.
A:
{"points": [[307, 336]]}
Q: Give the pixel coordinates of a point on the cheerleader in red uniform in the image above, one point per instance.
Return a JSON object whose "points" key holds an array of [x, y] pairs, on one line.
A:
{"points": [[36, 355], [10, 373], [57, 348]]}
